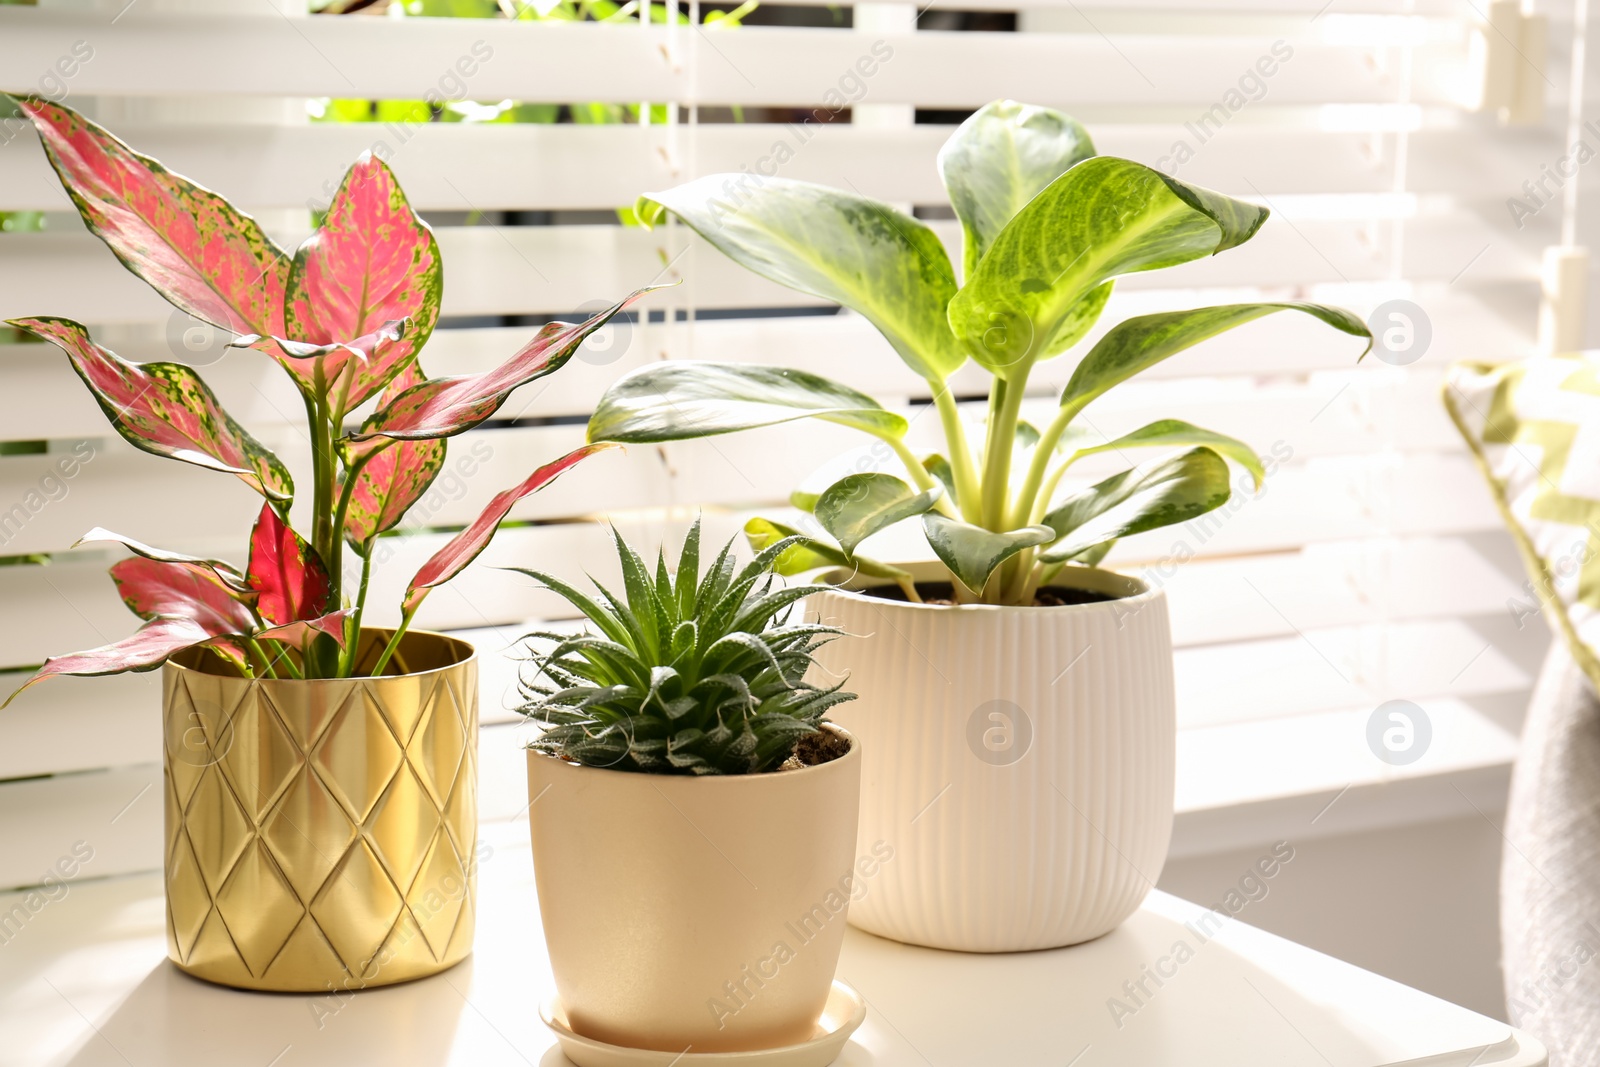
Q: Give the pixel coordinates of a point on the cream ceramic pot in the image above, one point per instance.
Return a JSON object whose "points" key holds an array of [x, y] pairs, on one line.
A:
{"points": [[699, 913], [1019, 761]]}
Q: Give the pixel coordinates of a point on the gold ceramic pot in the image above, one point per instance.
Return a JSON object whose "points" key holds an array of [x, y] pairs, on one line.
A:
{"points": [[696, 913], [320, 835]]}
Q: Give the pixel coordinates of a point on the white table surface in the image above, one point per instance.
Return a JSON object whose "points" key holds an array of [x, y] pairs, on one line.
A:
{"points": [[86, 982]]}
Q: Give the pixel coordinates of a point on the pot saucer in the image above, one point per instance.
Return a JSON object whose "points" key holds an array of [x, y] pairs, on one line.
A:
{"points": [[844, 1012]]}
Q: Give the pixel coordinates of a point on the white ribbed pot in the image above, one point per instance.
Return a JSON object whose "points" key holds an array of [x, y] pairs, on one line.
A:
{"points": [[1018, 759]]}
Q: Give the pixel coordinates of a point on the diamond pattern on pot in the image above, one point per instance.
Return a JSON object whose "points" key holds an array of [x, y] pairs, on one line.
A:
{"points": [[402, 826], [259, 907], [404, 714], [357, 755], [436, 897], [350, 863], [308, 833], [198, 732], [217, 828], [261, 757], [439, 743], [360, 887], [189, 903]]}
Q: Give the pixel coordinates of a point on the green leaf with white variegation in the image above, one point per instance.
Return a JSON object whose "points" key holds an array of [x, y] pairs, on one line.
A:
{"points": [[844, 248], [1078, 321], [810, 554], [1140, 343], [1092, 555], [678, 399], [1160, 493], [999, 159], [1103, 218], [1175, 433], [939, 470], [859, 505], [972, 553]]}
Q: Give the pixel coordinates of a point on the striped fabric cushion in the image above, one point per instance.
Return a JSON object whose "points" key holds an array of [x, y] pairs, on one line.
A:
{"points": [[1534, 426]]}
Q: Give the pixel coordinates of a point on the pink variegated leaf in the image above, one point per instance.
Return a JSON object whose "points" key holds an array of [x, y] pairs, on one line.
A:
{"points": [[225, 571], [188, 243], [388, 483], [286, 572], [148, 648], [165, 409], [465, 546], [443, 407], [300, 358], [371, 261], [192, 591], [232, 650], [294, 633]]}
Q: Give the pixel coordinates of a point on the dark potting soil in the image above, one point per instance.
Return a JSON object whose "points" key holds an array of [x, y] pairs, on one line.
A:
{"points": [[813, 749], [1051, 596]]}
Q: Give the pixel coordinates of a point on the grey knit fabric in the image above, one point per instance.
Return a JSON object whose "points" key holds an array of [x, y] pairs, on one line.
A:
{"points": [[1550, 872]]}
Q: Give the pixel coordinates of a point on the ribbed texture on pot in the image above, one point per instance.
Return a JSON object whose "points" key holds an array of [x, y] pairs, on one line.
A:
{"points": [[1005, 841]]}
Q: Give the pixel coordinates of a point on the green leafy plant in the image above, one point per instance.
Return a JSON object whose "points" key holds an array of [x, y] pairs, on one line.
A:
{"points": [[687, 674], [1048, 226]]}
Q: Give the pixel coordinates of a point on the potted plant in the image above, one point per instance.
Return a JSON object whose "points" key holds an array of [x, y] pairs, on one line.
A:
{"points": [[693, 815], [320, 774], [1017, 711]]}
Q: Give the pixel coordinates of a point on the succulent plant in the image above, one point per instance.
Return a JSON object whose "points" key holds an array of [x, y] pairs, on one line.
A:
{"points": [[688, 674]]}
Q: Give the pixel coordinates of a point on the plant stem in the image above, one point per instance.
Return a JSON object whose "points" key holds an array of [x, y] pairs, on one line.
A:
{"points": [[352, 630], [914, 467], [289, 664], [909, 588], [955, 435], [1005, 402], [1044, 572], [323, 538], [1042, 502], [394, 643], [346, 493], [335, 424], [1028, 495], [277, 655], [319, 458], [252, 645], [1020, 576]]}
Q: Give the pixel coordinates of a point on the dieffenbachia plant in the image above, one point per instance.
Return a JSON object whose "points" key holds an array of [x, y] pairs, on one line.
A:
{"points": [[1048, 227], [346, 316]]}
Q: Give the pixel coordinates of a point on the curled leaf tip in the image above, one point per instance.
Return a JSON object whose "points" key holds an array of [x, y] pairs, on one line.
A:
{"points": [[648, 211]]}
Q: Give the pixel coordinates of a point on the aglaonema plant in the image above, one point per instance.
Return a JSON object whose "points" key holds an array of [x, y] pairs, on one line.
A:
{"points": [[346, 316], [1048, 226]]}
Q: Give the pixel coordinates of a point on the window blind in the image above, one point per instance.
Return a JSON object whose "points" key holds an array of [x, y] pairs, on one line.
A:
{"points": [[1370, 567]]}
